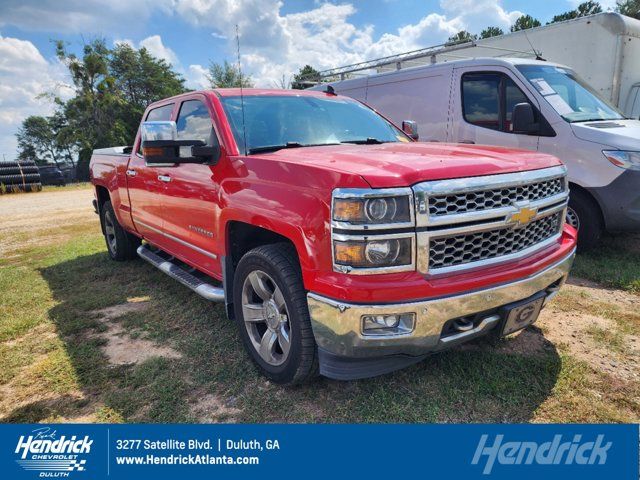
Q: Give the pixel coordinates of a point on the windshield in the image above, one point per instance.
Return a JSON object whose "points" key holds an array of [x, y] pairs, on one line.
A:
{"points": [[571, 97], [274, 122]]}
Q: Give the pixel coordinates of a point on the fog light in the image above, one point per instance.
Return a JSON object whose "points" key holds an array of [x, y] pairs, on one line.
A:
{"points": [[388, 324]]}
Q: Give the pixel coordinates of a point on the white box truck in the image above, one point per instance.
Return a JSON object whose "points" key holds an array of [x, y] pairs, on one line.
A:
{"points": [[532, 104]]}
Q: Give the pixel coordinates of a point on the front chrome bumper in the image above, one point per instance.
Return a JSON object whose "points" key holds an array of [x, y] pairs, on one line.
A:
{"points": [[337, 326]]}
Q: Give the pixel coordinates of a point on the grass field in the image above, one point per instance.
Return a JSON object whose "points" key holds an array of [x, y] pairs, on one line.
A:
{"points": [[85, 339]]}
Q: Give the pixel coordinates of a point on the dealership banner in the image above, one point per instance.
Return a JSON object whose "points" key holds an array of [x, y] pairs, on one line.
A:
{"points": [[80, 452]]}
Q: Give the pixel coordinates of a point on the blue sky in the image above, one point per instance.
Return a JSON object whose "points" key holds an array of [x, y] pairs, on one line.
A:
{"points": [[277, 37]]}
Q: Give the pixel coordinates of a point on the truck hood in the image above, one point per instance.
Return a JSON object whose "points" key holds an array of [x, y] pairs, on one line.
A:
{"points": [[405, 164], [617, 134]]}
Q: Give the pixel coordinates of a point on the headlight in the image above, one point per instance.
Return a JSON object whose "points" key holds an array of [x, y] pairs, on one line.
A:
{"points": [[373, 253], [622, 159], [373, 207]]}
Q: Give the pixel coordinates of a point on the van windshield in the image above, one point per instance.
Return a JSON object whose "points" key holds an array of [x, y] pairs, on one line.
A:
{"points": [[284, 121], [571, 97]]}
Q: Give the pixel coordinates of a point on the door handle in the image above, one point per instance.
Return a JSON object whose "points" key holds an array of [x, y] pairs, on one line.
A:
{"points": [[471, 142], [131, 173], [164, 178]]}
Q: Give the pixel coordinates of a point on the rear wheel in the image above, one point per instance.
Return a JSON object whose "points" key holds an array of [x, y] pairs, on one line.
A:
{"points": [[584, 215], [121, 245], [272, 314]]}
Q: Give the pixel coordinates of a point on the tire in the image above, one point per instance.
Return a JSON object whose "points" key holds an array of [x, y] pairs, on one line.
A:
{"points": [[121, 245], [584, 214], [277, 317]]}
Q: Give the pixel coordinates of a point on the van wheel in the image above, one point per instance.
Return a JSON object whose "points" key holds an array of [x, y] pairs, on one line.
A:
{"points": [[271, 310], [121, 245], [584, 215]]}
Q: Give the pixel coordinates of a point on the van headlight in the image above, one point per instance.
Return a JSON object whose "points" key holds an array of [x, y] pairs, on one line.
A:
{"points": [[623, 159], [359, 218]]}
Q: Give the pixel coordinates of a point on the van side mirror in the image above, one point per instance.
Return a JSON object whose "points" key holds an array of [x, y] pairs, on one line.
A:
{"points": [[522, 119], [410, 128], [160, 145]]}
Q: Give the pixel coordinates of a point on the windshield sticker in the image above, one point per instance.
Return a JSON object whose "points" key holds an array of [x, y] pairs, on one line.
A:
{"points": [[559, 105], [543, 87]]}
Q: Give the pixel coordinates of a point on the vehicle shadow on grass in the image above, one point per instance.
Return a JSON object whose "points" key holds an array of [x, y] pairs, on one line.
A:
{"points": [[209, 378]]}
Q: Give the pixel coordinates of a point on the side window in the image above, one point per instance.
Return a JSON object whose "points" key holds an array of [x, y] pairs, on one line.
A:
{"points": [[488, 100], [513, 96], [194, 123], [481, 100], [160, 114]]}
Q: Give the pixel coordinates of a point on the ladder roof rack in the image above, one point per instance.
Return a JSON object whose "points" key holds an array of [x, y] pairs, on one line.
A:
{"points": [[396, 61]]}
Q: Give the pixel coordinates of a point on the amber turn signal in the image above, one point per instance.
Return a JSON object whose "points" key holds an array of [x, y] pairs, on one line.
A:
{"points": [[348, 209], [347, 253], [152, 151]]}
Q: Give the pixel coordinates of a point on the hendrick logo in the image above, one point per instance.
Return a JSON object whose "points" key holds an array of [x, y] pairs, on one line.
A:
{"points": [[555, 452], [52, 456]]}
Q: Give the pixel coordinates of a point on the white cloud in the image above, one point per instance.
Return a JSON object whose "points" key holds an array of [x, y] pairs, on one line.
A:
{"points": [[196, 77], [156, 48], [25, 75], [79, 16], [273, 44]]}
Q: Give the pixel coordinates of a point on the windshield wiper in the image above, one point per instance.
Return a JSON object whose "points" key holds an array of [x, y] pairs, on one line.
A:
{"points": [[596, 120], [365, 141], [275, 148]]}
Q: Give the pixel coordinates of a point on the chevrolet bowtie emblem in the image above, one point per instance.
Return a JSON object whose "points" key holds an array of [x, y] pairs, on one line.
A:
{"points": [[523, 216]]}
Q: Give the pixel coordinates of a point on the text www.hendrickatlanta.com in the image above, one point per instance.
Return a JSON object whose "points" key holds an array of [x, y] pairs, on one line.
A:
{"points": [[186, 460]]}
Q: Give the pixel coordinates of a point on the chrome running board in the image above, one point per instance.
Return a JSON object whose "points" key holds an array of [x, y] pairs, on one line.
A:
{"points": [[202, 288]]}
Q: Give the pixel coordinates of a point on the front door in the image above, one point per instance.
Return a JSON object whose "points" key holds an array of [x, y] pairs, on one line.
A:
{"points": [[146, 188], [482, 108], [191, 203]]}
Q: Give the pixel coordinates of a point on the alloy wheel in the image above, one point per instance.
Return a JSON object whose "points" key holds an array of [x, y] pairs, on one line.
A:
{"points": [[266, 317]]}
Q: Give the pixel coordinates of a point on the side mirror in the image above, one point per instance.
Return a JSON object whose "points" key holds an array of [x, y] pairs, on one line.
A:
{"points": [[160, 145], [522, 119], [410, 128]]}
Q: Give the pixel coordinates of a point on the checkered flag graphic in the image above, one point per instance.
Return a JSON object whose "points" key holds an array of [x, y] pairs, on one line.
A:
{"points": [[77, 465]]}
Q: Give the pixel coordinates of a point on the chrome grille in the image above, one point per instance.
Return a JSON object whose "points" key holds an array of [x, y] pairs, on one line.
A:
{"points": [[469, 222], [473, 247], [493, 198]]}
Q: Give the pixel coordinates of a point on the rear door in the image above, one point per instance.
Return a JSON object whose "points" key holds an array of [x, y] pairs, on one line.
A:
{"points": [[191, 203], [482, 108], [145, 186]]}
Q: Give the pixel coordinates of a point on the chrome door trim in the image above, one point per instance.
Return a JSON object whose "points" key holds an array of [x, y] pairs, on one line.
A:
{"points": [[176, 239]]}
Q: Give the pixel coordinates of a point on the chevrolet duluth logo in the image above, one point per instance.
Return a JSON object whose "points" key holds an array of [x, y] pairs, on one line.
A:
{"points": [[52, 457], [554, 452], [523, 216]]}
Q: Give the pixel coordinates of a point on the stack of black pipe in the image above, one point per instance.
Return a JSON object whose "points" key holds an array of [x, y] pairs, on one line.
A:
{"points": [[19, 177]]}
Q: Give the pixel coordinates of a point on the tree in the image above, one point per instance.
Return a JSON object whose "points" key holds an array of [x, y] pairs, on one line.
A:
{"points": [[524, 23], [630, 8], [461, 37], [491, 32], [112, 89], [37, 140], [306, 77], [584, 9], [227, 75]]}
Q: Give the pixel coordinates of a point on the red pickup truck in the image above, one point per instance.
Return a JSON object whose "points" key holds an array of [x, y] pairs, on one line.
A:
{"points": [[338, 244]]}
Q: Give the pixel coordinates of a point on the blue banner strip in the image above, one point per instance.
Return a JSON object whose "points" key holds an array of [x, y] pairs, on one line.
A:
{"points": [[319, 451]]}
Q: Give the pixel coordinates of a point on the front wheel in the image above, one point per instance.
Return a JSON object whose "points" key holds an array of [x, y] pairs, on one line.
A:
{"points": [[584, 215], [272, 314]]}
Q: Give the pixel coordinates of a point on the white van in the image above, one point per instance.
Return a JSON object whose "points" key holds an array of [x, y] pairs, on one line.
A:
{"points": [[522, 103]]}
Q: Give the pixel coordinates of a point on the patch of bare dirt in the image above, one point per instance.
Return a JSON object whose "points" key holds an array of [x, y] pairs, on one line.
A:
{"points": [[599, 293], [573, 331], [211, 408], [34, 212], [120, 347]]}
